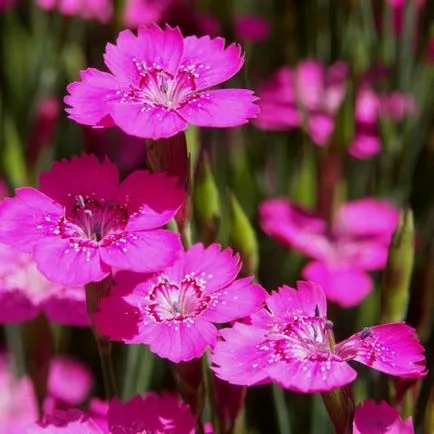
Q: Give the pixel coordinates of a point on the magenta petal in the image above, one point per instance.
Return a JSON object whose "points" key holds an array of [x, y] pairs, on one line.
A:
{"points": [[144, 252], [210, 61], [320, 128], [84, 175], [146, 121], [152, 199], [238, 300], [88, 99], [217, 267], [181, 341], [16, 307], [312, 376], [60, 261], [345, 285], [237, 358], [28, 218], [390, 348], [67, 306], [365, 146], [220, 108]]}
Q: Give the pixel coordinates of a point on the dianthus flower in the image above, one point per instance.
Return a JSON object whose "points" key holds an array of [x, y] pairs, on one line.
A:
{"points": [[290, 342], [158, 84], [143, 12], [174, 312], [25, 293], [99, 10], [308, 95], [82, 222], [372, 418], [357, 242], [151, 413]]}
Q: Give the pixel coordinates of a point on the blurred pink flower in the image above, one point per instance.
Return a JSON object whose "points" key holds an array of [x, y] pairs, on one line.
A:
{"points": [[174, 312], [372, 418], [308, 95], [159, 84], [357, 242], [144, 12], [25, 293], [99, 10], [82, 222], [289, 342], [151, 413], [251, 28]]}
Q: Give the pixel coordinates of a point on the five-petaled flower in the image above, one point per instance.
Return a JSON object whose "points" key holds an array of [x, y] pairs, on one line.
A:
{"points": [[82, 222], [174, 311], [159, 83], [291, 343]]}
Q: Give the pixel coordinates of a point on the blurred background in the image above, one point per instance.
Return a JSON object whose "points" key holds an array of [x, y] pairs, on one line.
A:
{"points": [[347, 99]]}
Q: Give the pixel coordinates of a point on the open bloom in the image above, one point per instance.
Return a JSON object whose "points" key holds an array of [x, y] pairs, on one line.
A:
{"points": [[158, 84], [290, 342], [142, 414], [357, 242], [372, 418], [308, 95], [25, 293], [174, 311], [99, 10], [82, 222]]}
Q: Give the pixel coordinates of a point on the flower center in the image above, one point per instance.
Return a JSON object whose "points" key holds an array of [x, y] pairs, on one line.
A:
{"points": [[93, 220], [169, 301], [160, 88]]}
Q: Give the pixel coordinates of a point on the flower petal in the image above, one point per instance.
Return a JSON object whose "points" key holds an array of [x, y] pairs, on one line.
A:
{"points": [[152, 198], [220, 108], [84, 175], [28, 218], [343, 284], [17, 307], [144, 251], [390, 348], [88, 99], [238, 300], [147, 121], [209, 60]]}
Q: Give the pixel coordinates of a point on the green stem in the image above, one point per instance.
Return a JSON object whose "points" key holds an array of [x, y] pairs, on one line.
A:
{"points": [[281, 410]]}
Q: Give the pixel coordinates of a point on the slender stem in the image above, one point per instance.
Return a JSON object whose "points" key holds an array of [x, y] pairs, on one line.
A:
{"points": [[281, 410], [340, 407], [95, 291]]}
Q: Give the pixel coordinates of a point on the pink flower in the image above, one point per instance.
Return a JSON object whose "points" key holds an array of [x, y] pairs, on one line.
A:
{"points": [[100, 10], [174, 312], [289, 343], [158, 84], [251, 28], [372, 418], [357, 242], [25, 293], [151, 413], [308, 96], [144, 12], [82, 222]]}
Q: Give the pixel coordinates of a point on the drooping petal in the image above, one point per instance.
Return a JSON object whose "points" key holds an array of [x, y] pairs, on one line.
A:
{"points": [[220, 108], [69, 262], [152, 199], [343, 284], [209, 60], [372, 418], [390, 348], [238, 300], [142, 251], [89, 99], [28, 218], [236, 359], [180, 342], [312, 376], [84, 176], [149, 122], [217, 267]]}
